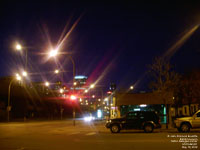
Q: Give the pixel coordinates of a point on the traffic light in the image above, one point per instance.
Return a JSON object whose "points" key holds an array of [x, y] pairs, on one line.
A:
{"points": [[109, 92], [64, 87], [112, 87], [73, 97]]}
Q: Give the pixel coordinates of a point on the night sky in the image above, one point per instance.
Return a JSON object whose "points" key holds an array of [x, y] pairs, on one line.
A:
{"points": [[112, 42]]}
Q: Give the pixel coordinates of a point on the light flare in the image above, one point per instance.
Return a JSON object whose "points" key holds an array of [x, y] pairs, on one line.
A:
{"points": [[173, 49]]}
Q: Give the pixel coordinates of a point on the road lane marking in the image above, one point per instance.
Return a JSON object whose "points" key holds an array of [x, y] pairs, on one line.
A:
{"points": [[91, 133], [74, 133]]}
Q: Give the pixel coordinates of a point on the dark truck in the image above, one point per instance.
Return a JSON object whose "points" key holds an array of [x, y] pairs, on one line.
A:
{"points": [[145, 120]]}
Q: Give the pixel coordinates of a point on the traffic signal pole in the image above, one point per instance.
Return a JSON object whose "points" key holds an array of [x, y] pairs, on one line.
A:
{"points": [[74, 115]]}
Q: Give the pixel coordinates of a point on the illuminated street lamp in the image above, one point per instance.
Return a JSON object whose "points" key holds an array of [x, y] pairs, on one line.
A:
{"points": [[53, 52], [92, 86], [56, 71], [47, 84], [19, 47], [24, 73], [106, 99], [131, 87], [18, 77], [61, 91]]}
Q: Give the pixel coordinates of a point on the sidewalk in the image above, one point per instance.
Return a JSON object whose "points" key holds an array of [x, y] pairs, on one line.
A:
{"points": [[170, 128]]}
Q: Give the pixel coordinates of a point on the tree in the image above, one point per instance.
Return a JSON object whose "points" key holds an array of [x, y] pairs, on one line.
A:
{"points": [[164, 80], [189, 88]]}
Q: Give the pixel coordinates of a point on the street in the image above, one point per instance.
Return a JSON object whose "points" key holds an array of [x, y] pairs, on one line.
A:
{"points": [[62, 135]]}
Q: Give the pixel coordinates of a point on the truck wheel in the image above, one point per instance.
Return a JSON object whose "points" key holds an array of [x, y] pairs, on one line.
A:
{"points": [[115, 128], [148, 128], [185, 127]]}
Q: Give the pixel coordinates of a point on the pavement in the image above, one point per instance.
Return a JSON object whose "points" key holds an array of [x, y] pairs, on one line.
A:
{"points": [[62, 135], [99, 125]]}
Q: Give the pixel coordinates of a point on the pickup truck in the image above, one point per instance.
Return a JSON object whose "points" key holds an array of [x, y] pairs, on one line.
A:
{"points": [[184, 124]]}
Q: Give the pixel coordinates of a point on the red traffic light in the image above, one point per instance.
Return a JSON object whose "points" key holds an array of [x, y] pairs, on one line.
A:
{"points": [[72, 97], [109, 92]]}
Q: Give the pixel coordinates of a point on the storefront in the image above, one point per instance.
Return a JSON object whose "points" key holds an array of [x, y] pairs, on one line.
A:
{"points": [[121, 103]]}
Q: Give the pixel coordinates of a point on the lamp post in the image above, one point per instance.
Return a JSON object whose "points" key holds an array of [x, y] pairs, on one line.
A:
{"points": [[53, 53], [9, 88]]}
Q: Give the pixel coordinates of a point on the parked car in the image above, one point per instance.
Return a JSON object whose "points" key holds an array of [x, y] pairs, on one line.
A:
{"points": [[145, 120], [184, 124]]}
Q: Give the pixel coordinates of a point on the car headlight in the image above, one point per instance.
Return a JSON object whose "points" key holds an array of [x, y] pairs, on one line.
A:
{"points": [[108, 121], [89, 118]]}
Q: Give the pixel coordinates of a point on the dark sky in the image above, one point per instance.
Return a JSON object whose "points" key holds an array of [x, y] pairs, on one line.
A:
{"points": [[112, 42]]}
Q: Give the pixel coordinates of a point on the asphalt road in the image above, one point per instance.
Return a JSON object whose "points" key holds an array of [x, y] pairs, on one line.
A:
{"points": [[62, 135]]}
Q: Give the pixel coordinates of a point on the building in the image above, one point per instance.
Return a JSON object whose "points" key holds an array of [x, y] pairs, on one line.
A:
{"points": [[39, 87], [121, 103], [79, 82]]}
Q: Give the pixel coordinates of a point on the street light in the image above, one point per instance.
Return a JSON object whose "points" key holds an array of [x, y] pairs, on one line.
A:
{"points": [[53, 52], [47, 84], [61, 91], [131, 87], [18, 77], [56, 71], [19, 47], [61, 72], [24, 73], [92, 86]]}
